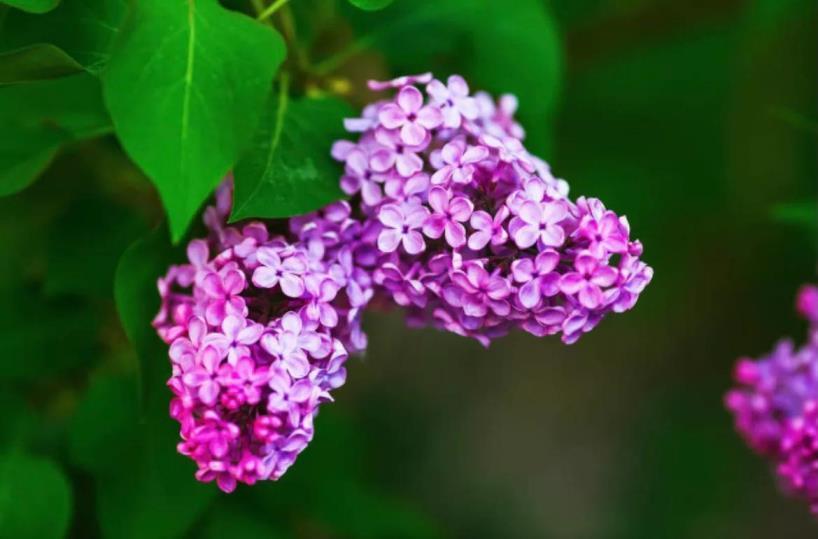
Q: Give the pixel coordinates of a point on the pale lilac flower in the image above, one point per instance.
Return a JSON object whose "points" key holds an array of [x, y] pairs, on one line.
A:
{"points": [[537, 277], [292, 344], [459, 163], [236, 337], [482, 291], [588, 280], [454, 100], [401, 224], [286, 273], [202, 377], [488, 229], [410, 116], [539, 223], [394, 152], [448, 217], [224, 288]]}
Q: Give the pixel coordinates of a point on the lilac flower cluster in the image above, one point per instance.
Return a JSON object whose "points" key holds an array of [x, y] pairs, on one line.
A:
{"points": [[259, 327], [775, 405], [451, 219], [470, 232]]}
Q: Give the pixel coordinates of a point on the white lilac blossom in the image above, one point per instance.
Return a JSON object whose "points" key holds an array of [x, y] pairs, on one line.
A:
{"points": [[470, 232], [259, 326], [775, 405]]}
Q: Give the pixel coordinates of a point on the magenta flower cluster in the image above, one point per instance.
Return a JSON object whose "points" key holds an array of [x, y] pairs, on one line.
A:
{"points": [[259, 327], [450, 218], [775, 405], [472, 233]]}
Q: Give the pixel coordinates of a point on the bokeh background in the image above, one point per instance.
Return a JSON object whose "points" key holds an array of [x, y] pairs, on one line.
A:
{"points": [[695, 119]]}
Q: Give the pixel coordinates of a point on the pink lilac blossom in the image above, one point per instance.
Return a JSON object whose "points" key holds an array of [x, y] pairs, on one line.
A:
{"points": [[259, 326], [468, 231], [775, 405]]}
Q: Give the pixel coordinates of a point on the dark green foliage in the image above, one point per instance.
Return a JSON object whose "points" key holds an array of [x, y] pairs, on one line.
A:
{"points": [[35, 498], [288, 169]]}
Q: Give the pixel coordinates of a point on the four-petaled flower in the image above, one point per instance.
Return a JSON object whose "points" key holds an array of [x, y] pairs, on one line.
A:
{"points": [[400, 227], [539, 222], [454, 100], [410, 116], [488, 229], [459, 163], [448, 217], [537, 277], [237, 335], [291, 343], [482, 291], [286, 273], [588, 280]]}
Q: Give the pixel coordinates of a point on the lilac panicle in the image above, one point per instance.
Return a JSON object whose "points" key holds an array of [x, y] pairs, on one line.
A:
{"points": [[259, 326], [450, 218], [469, 231], [775, 404]]}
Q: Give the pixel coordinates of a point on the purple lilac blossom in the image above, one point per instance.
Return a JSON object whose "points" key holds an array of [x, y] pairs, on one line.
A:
{"points": [[469, 232], [259, 326], [450, 218], [775, 406]]}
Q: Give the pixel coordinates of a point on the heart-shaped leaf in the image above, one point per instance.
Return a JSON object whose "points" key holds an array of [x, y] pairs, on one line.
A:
{"points": [[32, 6], [83, 29], [36, 62], [289, 170], [184, 87], [38, 118]]}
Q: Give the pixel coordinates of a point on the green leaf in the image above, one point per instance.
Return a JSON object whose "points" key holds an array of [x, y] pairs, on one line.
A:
{"points": [[137, 302], [104, 430], [84, 29], [144, 487], [370, 5], [35, 499], [501, 47], [184, 87], [289, 170], [36, 62], [33, 6], [38, 118], [78, 266]]}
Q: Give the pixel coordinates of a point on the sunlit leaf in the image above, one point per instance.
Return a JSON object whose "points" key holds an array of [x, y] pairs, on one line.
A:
{"points": [[184, 87], [32, 6], [289, 170]]}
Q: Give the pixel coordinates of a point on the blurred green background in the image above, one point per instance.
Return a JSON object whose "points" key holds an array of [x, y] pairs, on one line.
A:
{"points": [[695, 119]]}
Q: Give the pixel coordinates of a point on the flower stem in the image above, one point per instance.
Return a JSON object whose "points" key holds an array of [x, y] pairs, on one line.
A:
{"points": [[271, 9]]}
